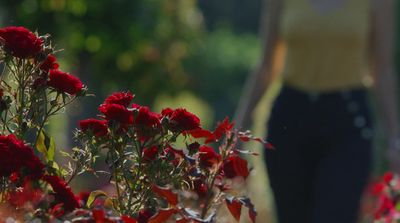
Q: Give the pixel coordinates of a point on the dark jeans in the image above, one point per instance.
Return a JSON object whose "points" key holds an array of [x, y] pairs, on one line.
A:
{"points": [[323, 155]]}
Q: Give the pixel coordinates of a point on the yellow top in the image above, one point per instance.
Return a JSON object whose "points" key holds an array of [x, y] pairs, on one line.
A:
{"points": [[325, 52]]}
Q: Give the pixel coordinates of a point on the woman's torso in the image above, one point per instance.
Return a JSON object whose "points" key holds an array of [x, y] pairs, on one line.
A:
{"points": [[325, 51]]}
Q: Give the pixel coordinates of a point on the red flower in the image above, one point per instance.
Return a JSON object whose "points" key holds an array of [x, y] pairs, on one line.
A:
{"points": [[167, 112], [388, 177], [208, 157], [117, 113], [182, 120], [20, 42], [97, 127], [62, 192], [235, 166], [15, 155], [146, 118], [377, 188], [386, 208], [50, 63], [64, 82], [121, 98], [26, 194], [150, 154]]}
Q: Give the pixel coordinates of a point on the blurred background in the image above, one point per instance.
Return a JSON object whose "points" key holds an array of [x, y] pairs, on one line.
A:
{"points": [[178, 53]]}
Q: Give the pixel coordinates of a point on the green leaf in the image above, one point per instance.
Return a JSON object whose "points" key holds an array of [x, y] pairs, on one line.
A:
{"points": [[93, 195], [40, 144], [46, 145]]}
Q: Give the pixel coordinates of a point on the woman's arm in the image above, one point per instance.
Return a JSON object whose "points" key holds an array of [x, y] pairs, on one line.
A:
{"points": [[385, 84], [262, 76]]}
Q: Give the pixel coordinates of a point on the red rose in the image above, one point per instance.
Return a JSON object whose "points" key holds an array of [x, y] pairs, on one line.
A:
{"points": [[15, 155], [27, 194], [150, 154], [386, 206], [388, 177], [50, 63], [208, 157], [167, 112], [377, 188], [147, 118], [182, 120], [235, 166], [62, 192], [121, 98], [20, 42], [64, 82], [117, 113], [98, 127]]}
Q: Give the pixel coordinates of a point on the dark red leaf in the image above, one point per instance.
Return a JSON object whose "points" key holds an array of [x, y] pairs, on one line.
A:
{"points": [[234, 206], [252, 214], [166, 193], [200, 133], [252, 211], [223, 128], [246, 137]]}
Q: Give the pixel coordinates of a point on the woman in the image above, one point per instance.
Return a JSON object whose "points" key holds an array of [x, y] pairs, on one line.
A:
{"points": [[320, 122]]}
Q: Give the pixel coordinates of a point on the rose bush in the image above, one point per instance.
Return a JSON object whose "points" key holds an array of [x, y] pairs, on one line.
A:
{"points": [[387, 193], [154, 179]]}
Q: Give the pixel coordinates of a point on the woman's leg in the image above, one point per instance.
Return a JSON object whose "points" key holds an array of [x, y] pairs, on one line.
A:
{"points": [[340, 182], [344, 167], [290, 181], [290, 170]]}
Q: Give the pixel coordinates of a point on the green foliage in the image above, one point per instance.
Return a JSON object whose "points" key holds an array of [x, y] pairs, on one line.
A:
{"points": [[136, 45], [219, 67], [151, 47]]}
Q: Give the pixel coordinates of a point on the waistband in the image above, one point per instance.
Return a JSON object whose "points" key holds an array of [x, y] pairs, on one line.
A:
{"points": [[345, 94]]}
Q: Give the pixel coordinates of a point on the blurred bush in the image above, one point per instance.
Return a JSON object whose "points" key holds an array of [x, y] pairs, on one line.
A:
{"points": [[219, 65], [137, 45]]}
